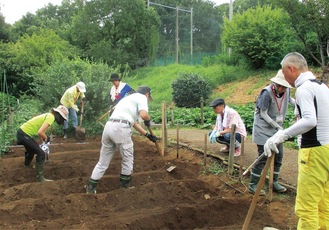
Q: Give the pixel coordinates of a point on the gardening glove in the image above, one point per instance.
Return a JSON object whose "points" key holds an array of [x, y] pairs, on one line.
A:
{"points": [[213, 135], [147, 123], [47, 140], [75, 107], [44, 147], [271, 143], [151, 137]]}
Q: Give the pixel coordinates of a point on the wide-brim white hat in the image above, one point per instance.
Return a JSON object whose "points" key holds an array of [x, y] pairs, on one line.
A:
{"points": [[62, 110], [279, 79]]}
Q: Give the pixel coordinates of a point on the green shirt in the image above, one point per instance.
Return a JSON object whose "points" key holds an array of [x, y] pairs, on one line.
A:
{"points": [[32, 126]]}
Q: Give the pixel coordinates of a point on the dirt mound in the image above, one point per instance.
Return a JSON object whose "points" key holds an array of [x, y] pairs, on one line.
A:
{"points": [[185, 198]]}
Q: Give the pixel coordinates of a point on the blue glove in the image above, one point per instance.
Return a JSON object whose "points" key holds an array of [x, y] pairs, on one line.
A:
{"points": [[212, 137]]}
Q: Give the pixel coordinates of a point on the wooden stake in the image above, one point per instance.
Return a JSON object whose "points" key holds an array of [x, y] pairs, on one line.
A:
{"points": [[256, 195], [241, 158], [163, 128], [232, 149], [177, 138], [205, 149], [270, 192]]}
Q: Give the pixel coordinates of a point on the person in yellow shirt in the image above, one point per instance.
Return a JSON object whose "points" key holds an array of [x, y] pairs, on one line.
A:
{"points": [[37, 126], [69, 99]]}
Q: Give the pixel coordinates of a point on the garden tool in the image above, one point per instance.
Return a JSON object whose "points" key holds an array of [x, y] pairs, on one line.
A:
{"points": [[80, 133], [159, 151]]}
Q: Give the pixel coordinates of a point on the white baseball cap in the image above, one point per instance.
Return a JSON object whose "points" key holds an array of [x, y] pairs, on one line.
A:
{"points": [[81, 86]]}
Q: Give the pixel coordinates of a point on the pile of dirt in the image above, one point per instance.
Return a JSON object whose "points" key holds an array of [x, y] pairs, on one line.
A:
{"points": [[185, 198]]}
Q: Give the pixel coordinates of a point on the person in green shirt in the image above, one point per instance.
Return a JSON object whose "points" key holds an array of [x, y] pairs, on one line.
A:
{"points": [[37, 126]]}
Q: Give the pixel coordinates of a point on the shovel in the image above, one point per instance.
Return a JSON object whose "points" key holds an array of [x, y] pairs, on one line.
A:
{"points": [[80, 133], [159, 151]]}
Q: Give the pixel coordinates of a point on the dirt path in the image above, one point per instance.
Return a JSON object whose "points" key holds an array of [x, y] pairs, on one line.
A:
{"points": [[186, 198], [195, 138]]}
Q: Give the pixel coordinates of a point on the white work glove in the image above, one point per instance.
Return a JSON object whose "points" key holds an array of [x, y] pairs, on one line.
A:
{"points": [[44, 146], [271, 143], [213, 135]]}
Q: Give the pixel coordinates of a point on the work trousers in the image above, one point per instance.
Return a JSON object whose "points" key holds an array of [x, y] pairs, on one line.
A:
{"points": [[312, 200], [115, 135], [73, 116], [31, 146], [258, 168]]}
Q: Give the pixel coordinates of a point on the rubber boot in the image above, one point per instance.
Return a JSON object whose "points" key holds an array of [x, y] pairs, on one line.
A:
{"points": [[91, 186], [27, 160], [65, 133], [253, 183], [125, 181], [277, 186], [39, 171]]}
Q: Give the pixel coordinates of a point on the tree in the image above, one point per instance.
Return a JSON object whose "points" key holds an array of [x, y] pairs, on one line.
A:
{"points": [[4, 29], [258, 34], [309, 19], [116, 32]]}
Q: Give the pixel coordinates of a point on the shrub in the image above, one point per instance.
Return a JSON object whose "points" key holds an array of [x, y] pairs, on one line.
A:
{"points": [[188, 89]]}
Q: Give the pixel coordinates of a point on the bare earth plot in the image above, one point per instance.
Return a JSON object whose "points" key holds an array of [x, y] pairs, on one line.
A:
{"points": [[185, 198]]}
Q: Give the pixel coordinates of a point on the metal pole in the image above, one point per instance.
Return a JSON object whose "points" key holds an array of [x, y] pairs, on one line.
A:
{"points": [[191, 35], [230, 18], [177, 35]]}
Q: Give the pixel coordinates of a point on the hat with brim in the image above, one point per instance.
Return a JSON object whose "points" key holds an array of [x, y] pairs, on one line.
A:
{"points": [[217, 102], [81, 86], [114, 77], [279, 79], [144, 90], [62, 110]]}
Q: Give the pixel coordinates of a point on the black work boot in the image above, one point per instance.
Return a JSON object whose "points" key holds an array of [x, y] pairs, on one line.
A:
{"points": [[276, 185], [39, 171], [28, 159], [91, 186], [125, 181], [253, 183]]}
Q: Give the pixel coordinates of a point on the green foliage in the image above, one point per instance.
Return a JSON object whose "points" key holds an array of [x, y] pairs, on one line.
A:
{"points": [[259, 34], [192, 116], [25, 109], [219, 59], [41, 49], [309, 20], [215, 168], [66, 73], [188, 90], [116, 32]]}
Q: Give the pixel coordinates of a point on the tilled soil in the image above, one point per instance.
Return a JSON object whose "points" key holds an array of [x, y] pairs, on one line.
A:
{"points": [[186, 198]]}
